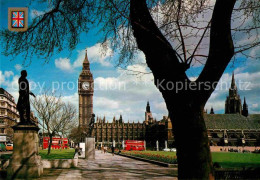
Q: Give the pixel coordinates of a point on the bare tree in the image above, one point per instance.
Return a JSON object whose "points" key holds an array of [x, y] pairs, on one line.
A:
{"points": [[68, 122], [55, 115], [76, 134], [173, 35]]}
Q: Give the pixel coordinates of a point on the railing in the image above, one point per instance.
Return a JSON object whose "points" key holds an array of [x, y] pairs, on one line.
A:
{"points": [[237, 173]]}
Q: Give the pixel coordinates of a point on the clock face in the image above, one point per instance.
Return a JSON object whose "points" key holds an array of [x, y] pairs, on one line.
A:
{"points": [[86, 85]]}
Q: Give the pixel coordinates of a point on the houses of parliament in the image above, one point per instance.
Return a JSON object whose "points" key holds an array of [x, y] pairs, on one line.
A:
{"points": [[236, 127]]}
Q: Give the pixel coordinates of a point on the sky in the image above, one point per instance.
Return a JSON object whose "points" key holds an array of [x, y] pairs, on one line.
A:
{"points": [[117, 91]]}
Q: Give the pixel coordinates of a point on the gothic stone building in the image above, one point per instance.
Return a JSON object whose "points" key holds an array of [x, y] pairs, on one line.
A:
{"points": [[235, 127], [118, 130]]}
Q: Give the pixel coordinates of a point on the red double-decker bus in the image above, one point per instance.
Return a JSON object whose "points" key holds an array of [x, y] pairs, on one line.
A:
{"points": [[57, 143], [134, 145]]}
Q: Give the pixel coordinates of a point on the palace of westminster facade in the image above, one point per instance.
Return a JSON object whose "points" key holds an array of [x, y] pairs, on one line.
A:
{"points": [[235, 127]]}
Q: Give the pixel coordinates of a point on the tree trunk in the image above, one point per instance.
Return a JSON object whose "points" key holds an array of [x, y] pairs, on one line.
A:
{"points": [[190, 133], [186, 106], [49, 147]]}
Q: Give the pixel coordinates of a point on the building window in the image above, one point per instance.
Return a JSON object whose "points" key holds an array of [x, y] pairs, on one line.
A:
{"points": [[2, 130], [2, 111], [2, 103], [2, 121]]}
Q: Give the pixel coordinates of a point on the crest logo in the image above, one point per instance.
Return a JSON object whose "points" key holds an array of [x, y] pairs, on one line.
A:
{"points": [[18, 19]]}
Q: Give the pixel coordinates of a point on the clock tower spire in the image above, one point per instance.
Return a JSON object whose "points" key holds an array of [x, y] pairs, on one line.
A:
{"points": [[85, 91]]}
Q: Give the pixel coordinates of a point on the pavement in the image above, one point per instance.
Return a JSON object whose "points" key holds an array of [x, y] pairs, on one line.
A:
{"points": [[106, 166]]}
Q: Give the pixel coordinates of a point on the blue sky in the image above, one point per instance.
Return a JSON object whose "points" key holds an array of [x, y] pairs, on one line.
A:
{"points": [[117, 91]]}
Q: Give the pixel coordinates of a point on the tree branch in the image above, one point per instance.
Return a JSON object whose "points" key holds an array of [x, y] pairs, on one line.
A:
{"points": [[158, 48], [221, 47]]}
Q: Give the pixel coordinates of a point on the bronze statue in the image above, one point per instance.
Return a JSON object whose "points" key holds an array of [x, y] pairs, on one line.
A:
{"points": [[91, 124], [23, 104]]}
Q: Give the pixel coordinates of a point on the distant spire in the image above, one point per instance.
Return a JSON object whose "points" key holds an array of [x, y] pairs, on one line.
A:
{"points": [[212, 111], [148, 107], [245, 101], [114, 119], [86, 57], [245, 108], [233, 83], [120, 119]]}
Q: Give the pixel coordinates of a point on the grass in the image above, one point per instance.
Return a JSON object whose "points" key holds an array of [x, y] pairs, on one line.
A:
{"points": [[153, 155], [57, 154], [236, 160], [225, 159]]}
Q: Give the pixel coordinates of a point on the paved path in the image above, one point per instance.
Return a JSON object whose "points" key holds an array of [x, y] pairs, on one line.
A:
{"points": [[106, 166]]}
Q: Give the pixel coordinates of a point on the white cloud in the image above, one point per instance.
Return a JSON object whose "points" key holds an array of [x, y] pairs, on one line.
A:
{"points": [[255, 105], [8, 74], [94, 53], [127, 94], [2, 78], [63, 64], [18, 67], [10, 83], [103, 102], [35, 13], [73, 99], [160, 106]]}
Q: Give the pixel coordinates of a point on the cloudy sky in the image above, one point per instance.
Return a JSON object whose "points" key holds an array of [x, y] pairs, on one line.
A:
{"points": [[117, 91]]}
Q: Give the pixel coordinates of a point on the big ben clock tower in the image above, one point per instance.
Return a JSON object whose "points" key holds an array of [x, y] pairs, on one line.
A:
{"points": [[85, 90]]}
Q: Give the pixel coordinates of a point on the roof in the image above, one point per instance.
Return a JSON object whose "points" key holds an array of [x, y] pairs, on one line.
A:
{"points": [[232, 121], [3, 92]]}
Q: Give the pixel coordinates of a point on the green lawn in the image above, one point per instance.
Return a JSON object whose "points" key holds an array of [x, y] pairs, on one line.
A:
{"points": [[225, 159], [166, 157], [161, 153], [57, 154], [235, 160]]}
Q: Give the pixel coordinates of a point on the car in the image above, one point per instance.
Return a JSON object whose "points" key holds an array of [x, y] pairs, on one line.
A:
{"points": [[166, 150], [173, 150], [9, 147]]}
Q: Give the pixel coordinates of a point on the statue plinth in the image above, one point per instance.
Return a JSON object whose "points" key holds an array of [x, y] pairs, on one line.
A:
{"points": [[25, 162], [90, 148]]}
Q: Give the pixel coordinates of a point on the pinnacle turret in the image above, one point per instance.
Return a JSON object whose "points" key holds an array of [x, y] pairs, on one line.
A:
{"points": [[148, 107], [233, 82], [86, 62], [233, 102], [245, 108], [212, 111]]}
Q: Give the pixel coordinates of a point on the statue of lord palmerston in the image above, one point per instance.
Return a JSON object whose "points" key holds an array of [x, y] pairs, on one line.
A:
{"points": [[23, 104]]}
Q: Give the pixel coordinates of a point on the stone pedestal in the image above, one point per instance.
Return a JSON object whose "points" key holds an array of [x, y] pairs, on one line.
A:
{"points": [[25, 162], [90, 148]]}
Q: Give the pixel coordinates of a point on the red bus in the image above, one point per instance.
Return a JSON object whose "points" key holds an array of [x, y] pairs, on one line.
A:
{"points": [[134, 145], [57, 143]]}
